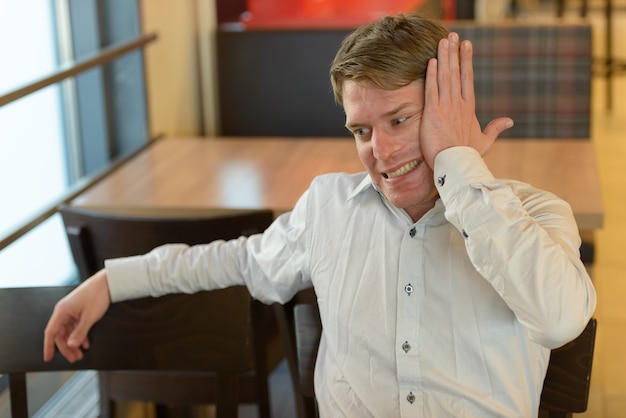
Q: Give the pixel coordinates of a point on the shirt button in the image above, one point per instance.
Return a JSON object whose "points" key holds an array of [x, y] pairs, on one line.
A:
{"points": [[408, 289], [442, 180], [410, 397], [465, 234], [406, 346], [412, 232]]}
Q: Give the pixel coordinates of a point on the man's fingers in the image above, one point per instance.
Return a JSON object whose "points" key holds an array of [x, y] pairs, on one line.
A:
{"points": [[66, 334], [497, 126], [467, 70], [48, 341], [55, 330], [78, 337], [48, 345], [77, 340], [72, 343], [73, 317], [72, 354], [56, 337], [453, 57], [431, 89], [443, 71]]}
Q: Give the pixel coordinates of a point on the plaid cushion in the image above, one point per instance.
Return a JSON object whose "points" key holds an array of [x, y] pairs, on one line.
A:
{"points": [[539, 75]]}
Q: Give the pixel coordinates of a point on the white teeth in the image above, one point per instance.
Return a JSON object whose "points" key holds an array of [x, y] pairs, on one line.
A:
{"points": [[404, 169]]}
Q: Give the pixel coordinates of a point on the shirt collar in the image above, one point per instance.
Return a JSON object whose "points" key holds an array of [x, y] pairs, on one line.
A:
{"points": [[436, 213], [365, 184]]}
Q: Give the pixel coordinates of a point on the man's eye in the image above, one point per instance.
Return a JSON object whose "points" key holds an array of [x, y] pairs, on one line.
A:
{"points": [[398, 121], [360, 131]]}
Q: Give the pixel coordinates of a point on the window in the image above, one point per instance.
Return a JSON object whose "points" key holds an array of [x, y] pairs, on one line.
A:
{"points": [[56, 137]]}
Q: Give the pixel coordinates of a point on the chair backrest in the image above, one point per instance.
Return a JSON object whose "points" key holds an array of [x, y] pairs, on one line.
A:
{"points": [[537, 73], [568, 379], [565, 388], [95, 235], [308, 328], [175, 332]]}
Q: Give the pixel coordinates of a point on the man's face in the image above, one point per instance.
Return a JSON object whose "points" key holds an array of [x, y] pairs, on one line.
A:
{"points": [[386, 127]]}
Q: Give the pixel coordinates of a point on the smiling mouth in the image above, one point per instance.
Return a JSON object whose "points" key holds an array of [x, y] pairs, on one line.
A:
{"points": [[407, 168]]}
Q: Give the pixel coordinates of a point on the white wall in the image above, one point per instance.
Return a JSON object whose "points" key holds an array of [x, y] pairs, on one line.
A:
{"points": [[175, 92]]}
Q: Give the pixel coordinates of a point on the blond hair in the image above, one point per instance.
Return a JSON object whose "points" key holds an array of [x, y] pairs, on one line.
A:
{"points": [[389, 53]]}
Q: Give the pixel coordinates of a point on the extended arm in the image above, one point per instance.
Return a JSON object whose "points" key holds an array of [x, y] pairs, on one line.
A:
{"points": [[267, 264]]}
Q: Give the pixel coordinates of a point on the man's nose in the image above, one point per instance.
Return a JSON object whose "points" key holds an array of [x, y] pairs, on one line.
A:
{"points": [[384, 145]]}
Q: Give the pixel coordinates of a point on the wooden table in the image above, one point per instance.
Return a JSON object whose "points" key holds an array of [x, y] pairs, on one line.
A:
{"points": [[251, 173]]}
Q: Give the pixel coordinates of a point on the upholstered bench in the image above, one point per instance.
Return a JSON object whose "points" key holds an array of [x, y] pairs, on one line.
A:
{"points": [[538, 74], [275, 81]]}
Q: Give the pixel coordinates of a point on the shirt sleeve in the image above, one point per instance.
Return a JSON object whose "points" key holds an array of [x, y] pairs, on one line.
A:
{"points": [[272, 264], [523, 241]]}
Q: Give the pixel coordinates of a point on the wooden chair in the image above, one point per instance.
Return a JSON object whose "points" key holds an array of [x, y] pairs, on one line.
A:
{"points": [[565, 388], [170, 334], [567, 382], [95, 236]]}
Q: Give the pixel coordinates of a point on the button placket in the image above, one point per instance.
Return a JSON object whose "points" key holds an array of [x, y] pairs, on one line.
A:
{"points": [[409, 285]]}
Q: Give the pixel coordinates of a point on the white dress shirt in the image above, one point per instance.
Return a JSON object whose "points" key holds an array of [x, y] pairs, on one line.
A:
{"points": [[450, 316]]}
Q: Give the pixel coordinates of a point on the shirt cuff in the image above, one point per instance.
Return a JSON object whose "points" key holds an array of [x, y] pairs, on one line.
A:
{"points": [[127, 278], [457, 168]]}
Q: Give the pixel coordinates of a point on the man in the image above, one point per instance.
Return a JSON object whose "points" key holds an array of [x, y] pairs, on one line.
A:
{"points": [[441, 289]]}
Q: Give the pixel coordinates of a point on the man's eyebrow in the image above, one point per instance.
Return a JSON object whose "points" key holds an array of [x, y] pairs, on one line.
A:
{"points": [[351, 125], [397, 109]]}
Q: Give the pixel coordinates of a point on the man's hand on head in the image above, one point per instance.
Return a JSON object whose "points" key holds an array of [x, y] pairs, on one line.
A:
{"points": [[450, 106]]}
